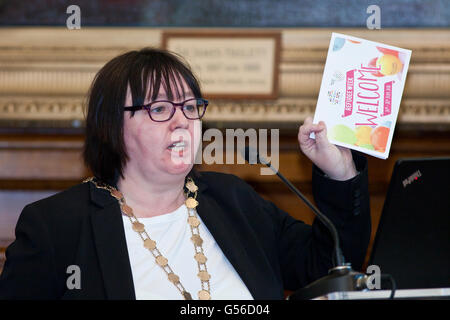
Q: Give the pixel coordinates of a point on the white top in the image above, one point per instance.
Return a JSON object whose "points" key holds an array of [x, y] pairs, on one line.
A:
{"points": [[172, 234]]}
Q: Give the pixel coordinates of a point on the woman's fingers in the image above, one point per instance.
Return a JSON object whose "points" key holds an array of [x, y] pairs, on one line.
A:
{"points": [[303, 131], [308, 127], [321, 136]]}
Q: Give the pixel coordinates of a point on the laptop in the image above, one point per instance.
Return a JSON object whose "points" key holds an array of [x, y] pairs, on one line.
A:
{"points": [[412, 242]]}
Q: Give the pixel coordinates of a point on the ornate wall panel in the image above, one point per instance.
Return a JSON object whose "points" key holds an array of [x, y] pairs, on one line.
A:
{"points": [[46, 72]]}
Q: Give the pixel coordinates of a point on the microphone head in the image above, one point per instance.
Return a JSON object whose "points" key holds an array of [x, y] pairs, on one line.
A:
{"points": [[250, 155]]}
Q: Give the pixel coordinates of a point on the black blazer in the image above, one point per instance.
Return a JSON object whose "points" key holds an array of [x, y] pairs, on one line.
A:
{"points": [[270, 250]]}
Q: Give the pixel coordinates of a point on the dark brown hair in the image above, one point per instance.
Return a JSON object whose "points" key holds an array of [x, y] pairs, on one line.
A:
{"points": [[104, 149]]}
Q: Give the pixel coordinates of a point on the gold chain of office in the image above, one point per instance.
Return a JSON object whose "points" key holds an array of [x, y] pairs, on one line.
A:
{"points": [[193, 221]]}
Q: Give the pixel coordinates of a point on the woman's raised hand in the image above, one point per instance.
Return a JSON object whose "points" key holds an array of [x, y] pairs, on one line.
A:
{"points": [[334, 161]]}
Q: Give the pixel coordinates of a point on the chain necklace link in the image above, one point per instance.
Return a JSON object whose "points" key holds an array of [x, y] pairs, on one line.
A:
{"points": [[194, 223]]}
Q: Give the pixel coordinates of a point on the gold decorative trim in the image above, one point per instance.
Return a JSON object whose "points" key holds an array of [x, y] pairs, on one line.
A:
{"points": [[41, 108], [282, 110]]}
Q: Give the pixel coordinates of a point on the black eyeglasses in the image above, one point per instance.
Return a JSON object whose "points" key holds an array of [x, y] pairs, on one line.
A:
{"points": [[163, 110]]}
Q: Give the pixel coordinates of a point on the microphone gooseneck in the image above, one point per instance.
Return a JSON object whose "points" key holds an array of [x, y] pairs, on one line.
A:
{"points": [[341, 277], [252, 156]]}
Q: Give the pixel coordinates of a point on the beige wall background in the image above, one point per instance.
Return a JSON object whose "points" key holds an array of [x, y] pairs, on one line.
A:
{"points": [[45, 74]]}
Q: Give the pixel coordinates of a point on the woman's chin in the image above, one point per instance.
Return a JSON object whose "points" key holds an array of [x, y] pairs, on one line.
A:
{"points": [[177, 164], [179, 169]]}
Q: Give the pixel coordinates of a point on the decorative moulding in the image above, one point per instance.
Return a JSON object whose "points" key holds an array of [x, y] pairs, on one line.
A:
{"points": [[45, 74]]}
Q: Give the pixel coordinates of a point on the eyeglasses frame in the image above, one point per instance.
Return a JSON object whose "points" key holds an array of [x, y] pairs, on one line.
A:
{"points": [[174, 104]]}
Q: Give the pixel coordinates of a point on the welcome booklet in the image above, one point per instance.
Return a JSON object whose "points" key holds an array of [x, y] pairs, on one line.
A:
{"points": [[360, 94]]}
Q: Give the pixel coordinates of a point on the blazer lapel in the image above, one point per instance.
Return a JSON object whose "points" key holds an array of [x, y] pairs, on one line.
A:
{"points": [[110, 241], [113, 256], [252, 270]]}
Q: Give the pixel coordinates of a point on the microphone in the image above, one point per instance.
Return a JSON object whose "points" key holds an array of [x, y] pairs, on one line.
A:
{"points": [[252, 156], [341, 277]]}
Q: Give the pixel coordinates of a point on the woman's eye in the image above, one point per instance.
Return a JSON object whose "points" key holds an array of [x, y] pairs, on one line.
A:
{"points": [[189, 107], [159, 109]]}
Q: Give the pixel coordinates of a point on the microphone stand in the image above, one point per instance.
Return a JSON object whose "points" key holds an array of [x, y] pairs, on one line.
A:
{"points": [[341, 277]]}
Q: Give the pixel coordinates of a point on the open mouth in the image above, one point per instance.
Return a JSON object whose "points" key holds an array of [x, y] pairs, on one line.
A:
{"points": [[178, 146]]}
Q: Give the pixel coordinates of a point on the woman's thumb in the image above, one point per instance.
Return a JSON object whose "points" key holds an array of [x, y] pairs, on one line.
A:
{"points": [[321, 136]]}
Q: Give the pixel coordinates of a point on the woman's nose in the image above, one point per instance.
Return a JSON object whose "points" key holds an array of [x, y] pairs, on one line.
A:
{"points": [[178, 120]]}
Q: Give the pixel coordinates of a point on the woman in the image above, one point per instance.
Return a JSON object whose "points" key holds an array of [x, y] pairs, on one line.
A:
{"points": [[149, 227]]}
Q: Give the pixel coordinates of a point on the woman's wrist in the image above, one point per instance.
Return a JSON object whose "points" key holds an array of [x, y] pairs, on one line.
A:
{"points": [[348, 174]]}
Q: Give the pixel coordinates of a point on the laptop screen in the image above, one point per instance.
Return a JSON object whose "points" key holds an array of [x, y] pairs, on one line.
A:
{"points": [[412, 242]]}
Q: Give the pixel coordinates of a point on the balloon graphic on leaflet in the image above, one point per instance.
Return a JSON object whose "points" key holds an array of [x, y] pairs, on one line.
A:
{"points": [[342, 133], [390, 63], [379, 138], [364, 136], [339, 43], [386, 124]]}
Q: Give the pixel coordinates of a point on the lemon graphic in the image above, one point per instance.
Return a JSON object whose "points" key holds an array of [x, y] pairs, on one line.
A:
{"points": [[363, 135], [389, 64]]}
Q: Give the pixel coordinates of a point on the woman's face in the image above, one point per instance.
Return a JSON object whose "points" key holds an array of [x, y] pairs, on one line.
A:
{"points": [[149, 144]]}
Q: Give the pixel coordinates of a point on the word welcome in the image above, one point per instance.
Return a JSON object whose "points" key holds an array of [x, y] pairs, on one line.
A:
{"points": [[365, 84]]}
